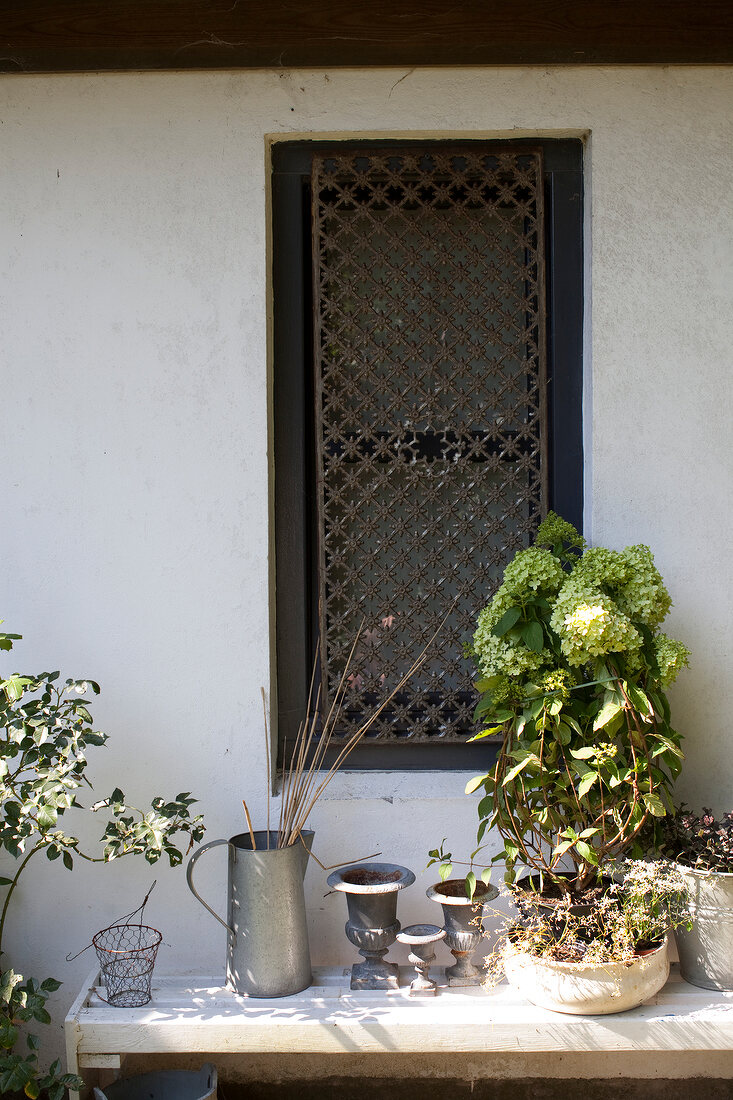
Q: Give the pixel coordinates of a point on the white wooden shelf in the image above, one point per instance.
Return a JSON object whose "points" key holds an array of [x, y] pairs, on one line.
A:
{"points": [[198, 1015]]}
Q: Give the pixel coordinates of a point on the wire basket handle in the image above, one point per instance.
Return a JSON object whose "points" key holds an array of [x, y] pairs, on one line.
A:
{"points": [[140, 909], [120, 920]]}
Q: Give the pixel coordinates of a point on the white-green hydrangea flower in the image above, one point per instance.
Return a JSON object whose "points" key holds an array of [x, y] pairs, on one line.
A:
{"points": [[496, 656], [555, 529], [671, 657], [557, 681], [589, 624], [606, 570], [531, 572], [643, 598], [500, 602]]}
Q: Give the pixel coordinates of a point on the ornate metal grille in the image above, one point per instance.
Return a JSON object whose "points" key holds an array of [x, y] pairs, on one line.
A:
{"points": [[430, 412]]}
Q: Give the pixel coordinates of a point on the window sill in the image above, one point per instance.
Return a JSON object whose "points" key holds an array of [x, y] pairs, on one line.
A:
{"points": [[388, 785]]}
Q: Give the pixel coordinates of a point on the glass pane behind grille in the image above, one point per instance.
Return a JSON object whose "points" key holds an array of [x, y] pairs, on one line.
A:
{"points": [[430, 414]]}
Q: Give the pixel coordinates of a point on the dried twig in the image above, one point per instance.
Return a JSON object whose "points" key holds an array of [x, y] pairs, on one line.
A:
{"points": [[341, 863], [305, 778], [249, 823], [267, 757]]}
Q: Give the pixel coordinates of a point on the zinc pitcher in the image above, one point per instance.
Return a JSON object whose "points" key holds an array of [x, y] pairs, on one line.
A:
{"points": [[267, 934]]}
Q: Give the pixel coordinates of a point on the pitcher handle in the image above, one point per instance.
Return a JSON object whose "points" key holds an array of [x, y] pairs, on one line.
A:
{"points": [[189, 879]]}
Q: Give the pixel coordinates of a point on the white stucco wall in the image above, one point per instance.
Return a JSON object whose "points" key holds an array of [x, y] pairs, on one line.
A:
{"points": [[135, 470]]}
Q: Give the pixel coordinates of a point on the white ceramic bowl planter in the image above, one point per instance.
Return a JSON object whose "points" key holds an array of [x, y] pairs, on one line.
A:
{"points": [[592, 989]]}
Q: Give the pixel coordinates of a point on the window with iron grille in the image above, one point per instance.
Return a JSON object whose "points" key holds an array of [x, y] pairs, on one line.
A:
{"points": [[427, 401]]}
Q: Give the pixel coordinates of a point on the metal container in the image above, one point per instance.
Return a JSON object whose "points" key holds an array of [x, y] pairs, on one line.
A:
{"points": [[463, 928], [371, 899], [267, 934], [706, 952], [175, 1084], [421, 939]]}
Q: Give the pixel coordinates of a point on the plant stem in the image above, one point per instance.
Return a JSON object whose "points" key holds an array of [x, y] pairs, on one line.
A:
{"points": [[11, 890]]}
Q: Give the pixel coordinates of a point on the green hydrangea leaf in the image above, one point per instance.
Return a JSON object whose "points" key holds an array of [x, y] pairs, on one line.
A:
{"points": [[533, 637], [586, 753], [507, 621], [586, 852], [607, 713], [654, 804], [586, 783]]}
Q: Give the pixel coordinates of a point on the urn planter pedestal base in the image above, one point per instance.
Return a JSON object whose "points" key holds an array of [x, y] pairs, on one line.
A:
{"points": [[374, 972]]}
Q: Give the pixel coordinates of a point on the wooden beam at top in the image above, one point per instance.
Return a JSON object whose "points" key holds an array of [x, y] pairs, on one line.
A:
{"points": [[79, 35]]}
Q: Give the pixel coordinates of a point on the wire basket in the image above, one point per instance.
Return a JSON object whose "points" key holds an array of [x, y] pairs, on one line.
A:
{"points": [[126, 954]]}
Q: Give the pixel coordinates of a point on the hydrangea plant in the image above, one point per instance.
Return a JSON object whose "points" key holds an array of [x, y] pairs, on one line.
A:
{"points": [[573, 669]]}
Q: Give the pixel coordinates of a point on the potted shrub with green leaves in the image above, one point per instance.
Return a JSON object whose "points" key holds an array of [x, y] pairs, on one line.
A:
{"points": [[46, 730], [573, 670], [703, 850]]}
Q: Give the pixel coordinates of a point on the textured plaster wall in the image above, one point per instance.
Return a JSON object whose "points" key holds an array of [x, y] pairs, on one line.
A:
{"points": [[135, 534]]}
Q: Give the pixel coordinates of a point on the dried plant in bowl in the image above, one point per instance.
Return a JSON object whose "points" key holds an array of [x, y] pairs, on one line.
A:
{"points": [[607, 956]]}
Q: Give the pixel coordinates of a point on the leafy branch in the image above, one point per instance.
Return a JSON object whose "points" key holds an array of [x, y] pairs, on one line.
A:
{"points": [[46, 730], [446, 863]]}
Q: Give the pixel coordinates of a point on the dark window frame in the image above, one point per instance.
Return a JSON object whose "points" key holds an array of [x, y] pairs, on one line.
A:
{"points": [[296, 619]]}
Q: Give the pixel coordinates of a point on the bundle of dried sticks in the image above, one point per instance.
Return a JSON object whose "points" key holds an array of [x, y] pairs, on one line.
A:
{"points": [[304, 781]]}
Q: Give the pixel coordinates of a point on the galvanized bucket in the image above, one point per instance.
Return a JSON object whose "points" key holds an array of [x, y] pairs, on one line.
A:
{"points": [[177, 1084], [267, 935], [706, 952]]}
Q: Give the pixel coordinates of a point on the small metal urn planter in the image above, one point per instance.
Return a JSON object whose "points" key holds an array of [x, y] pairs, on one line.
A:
{"points": [[371, 896], [420, 938], [463, 927]]}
